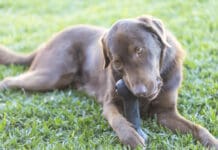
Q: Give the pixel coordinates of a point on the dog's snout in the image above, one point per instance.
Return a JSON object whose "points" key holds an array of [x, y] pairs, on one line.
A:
{"points": [[140, 90]]}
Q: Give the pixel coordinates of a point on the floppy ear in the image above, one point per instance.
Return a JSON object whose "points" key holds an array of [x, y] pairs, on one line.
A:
{"points": [[105, 53], [156, 26]]}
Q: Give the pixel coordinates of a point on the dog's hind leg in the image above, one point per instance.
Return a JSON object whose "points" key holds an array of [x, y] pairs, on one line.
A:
{"points": [[38, 80]]}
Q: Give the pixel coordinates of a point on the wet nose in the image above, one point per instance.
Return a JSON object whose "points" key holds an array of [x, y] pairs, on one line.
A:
{"points": [[140, 90]]}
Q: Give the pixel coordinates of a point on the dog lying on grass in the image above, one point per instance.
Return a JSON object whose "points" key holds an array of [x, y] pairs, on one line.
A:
{"points": [[139, 51]]}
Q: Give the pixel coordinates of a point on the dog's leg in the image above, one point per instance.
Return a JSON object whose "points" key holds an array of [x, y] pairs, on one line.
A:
{"points": [[168, 116], [32, 80], [131, 107], [10, 57], [176, 122], [123, 128]]}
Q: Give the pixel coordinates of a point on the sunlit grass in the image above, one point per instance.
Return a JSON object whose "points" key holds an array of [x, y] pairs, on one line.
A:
{"points": [[67, 119]]}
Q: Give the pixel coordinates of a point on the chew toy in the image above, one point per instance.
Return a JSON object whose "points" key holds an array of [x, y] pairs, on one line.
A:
{"points": [[131, 107]]}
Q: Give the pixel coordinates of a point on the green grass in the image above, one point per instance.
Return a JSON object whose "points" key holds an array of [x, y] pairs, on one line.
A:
{"points": [[68, 119]]}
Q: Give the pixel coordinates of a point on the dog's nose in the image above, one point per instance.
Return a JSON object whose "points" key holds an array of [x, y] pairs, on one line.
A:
{"points": [[140, 90]]}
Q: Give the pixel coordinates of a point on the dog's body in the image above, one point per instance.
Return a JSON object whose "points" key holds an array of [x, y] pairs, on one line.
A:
{"points": [[140, 51], [73, 56]]}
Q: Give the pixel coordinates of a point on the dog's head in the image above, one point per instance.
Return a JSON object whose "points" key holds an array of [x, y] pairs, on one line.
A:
{"points": [[135, 49]]}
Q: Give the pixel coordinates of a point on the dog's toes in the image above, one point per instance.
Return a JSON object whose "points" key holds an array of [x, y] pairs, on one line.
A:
{"points": [[213, 145], [216, 144], [3, 86], [129, 136], [142, 134]]}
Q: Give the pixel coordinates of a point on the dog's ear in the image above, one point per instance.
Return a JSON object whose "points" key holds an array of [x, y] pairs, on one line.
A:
{"points": [[105, 52], [156, 26]]}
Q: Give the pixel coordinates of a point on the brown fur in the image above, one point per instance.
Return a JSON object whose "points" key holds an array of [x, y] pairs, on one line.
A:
{"points": [[141, 51]]}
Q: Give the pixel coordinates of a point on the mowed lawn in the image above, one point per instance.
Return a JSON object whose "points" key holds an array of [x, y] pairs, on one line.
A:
{"points": [[68, 119]]}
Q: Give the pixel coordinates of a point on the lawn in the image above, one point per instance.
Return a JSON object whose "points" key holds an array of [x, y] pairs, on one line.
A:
{"points": [[68, 119]]}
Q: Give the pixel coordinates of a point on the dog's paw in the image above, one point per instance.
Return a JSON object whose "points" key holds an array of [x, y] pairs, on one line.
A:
{"points": [[142, 134], [129, 136], [216, 144], [3, 85], [207, 139], [213, 144]]}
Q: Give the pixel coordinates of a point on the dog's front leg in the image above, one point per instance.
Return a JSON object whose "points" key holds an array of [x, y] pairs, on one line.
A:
{"points": [[168, 116], [124, 129]]}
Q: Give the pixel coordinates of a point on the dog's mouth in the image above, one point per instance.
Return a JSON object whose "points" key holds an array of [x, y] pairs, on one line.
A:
{"points": [[153, 95], [149, 95]]}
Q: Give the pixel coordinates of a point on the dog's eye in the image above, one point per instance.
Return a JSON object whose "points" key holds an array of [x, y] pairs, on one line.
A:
{"points": [[117, 65], [138, 51]]}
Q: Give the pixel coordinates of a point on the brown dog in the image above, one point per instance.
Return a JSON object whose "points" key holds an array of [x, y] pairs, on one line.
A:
{"points": [[140, 51]]}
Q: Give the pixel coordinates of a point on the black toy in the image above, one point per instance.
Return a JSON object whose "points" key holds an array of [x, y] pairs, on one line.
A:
{"points": [[131, 107]]}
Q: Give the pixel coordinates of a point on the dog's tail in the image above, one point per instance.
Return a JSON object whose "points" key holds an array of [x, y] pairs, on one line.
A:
{"points": [[8, 57]]}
